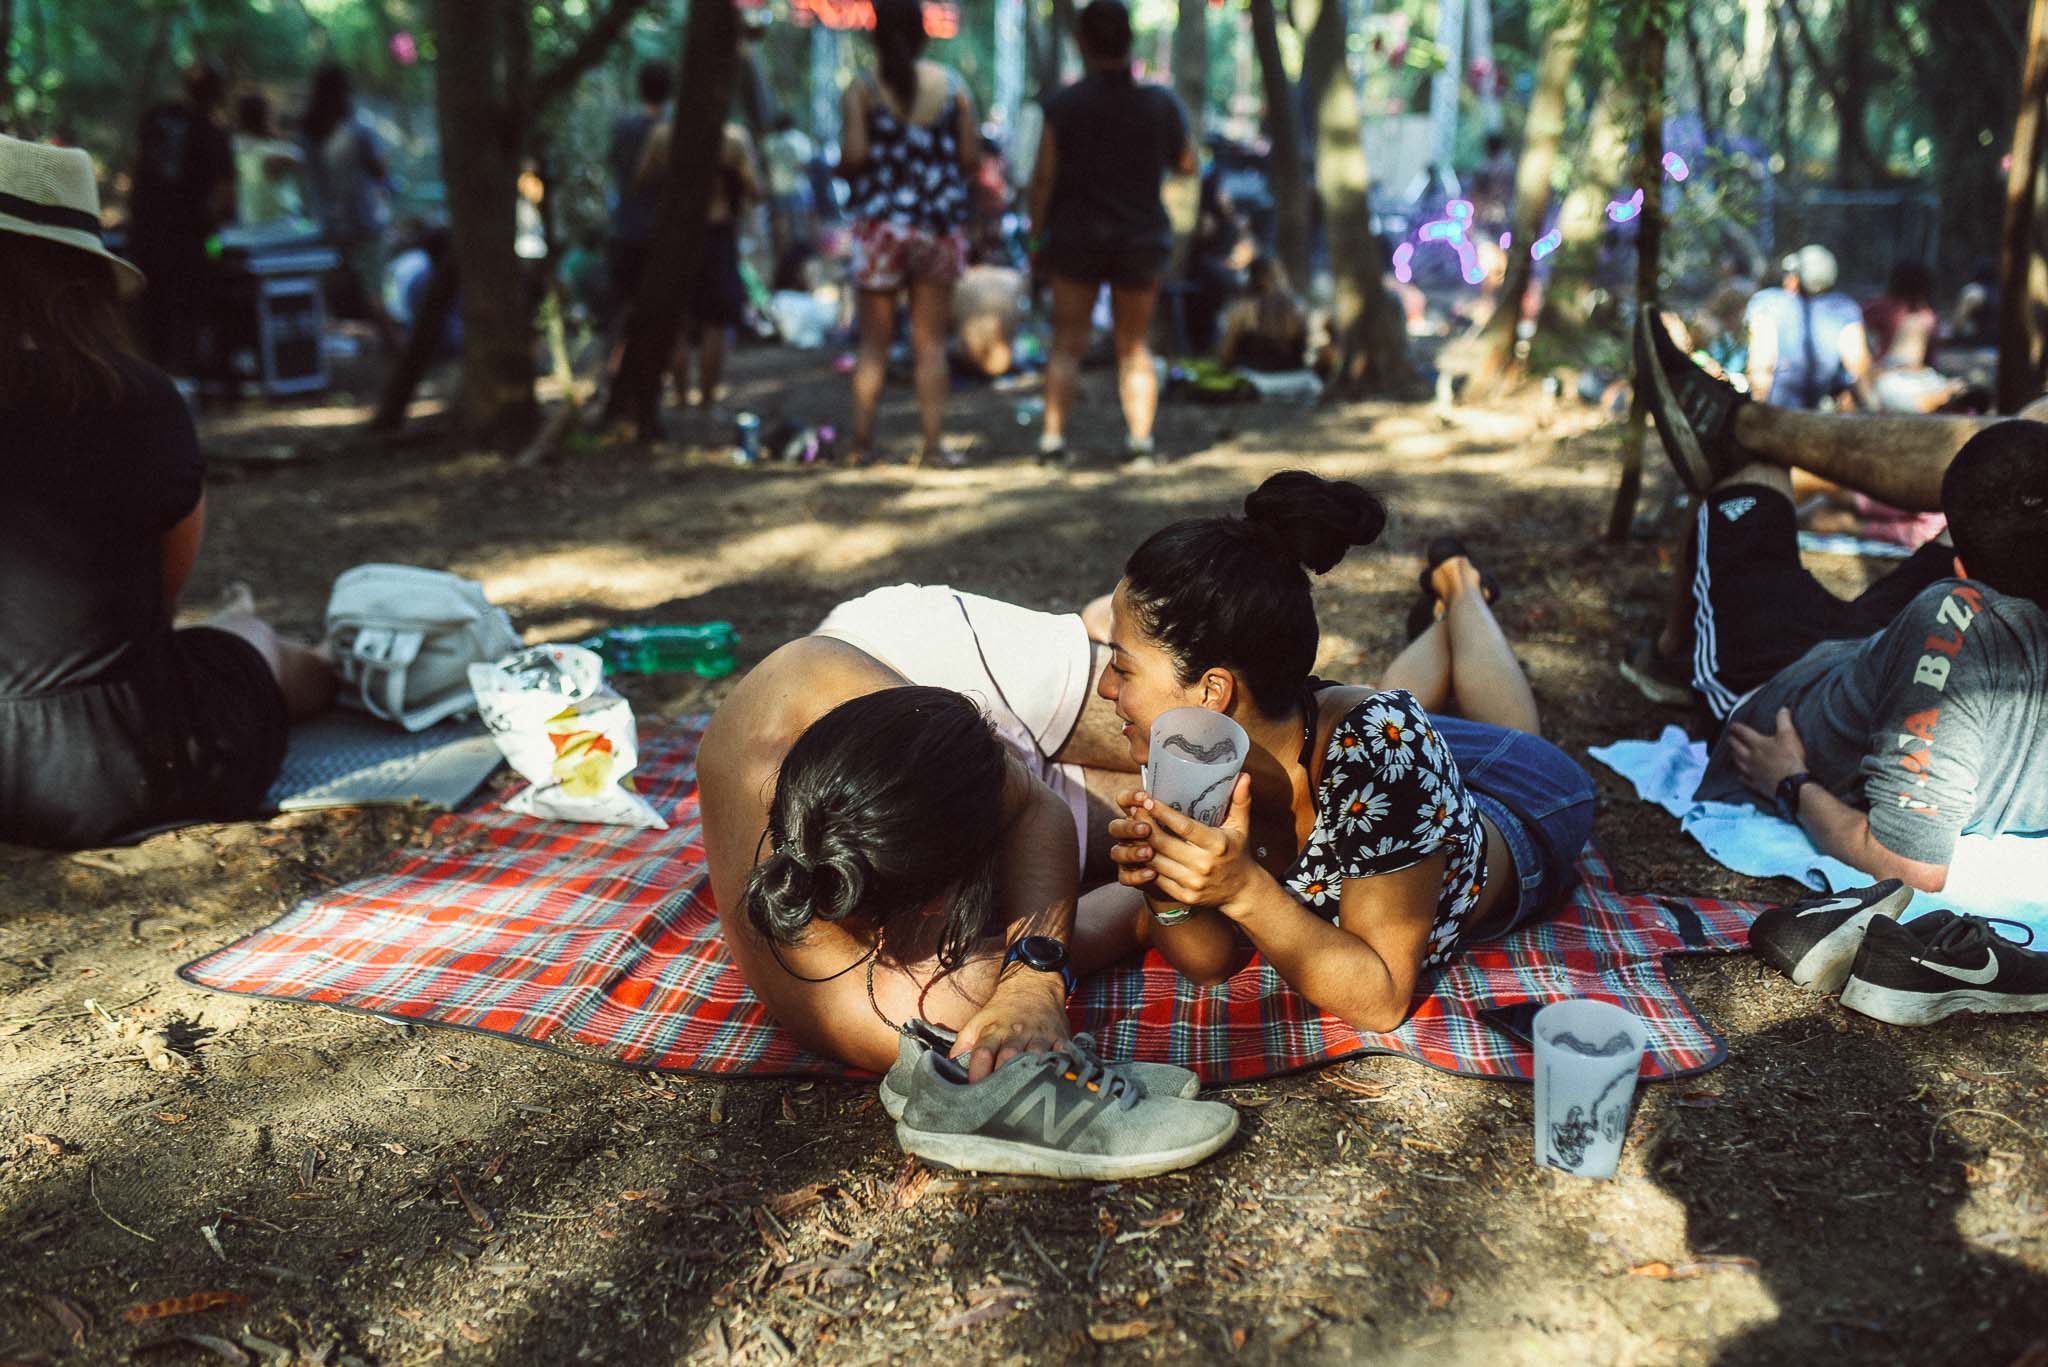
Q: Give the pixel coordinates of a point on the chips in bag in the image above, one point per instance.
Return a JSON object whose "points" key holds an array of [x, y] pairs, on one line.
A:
{"points": [[569, 735]]}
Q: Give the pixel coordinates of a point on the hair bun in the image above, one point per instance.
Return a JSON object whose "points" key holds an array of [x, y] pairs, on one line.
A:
{"points": [[1317, 519]]}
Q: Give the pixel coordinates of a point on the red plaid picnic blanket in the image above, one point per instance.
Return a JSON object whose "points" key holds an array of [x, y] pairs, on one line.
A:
{"points": [[604, 941]]}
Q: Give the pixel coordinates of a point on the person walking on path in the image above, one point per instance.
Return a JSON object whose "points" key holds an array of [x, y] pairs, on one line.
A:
{"points": [[1109, 142], [350, 181], [184, 193], [909, 151]]}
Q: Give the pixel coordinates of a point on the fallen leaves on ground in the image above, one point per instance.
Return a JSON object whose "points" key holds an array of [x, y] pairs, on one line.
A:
{"points": [[1438, 1296], [1679, 1272], [66, 1312], [56, 1148], [193, 1304], [1103, 1332]]}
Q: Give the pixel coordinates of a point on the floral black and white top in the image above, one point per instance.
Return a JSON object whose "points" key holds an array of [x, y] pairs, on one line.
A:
{"points": [[1391, 796]]}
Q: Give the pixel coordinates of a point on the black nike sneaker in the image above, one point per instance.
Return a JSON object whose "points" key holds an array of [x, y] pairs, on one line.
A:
{"points": [[1941, 963], [1694, 411], [1815, 941]]}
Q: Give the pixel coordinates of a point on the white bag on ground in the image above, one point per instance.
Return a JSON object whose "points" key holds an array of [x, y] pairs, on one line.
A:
{"points": [[404, 638], [568, 735]]}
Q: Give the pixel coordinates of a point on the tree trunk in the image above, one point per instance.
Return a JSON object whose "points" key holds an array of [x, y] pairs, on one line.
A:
{"points": [[1543, 132], [1649, 63], [1702, 81], [1370, 333], [6, 46], [2022, 273], [421, 344], [1446, 83], [1191, 63], [1479, 38], [710, 56], [480, 145], [1066, 25], [1582, 225], [1283, 126]]}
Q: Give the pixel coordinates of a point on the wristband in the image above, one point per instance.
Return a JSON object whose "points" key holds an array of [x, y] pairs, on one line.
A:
{"points": [[1787, 797], [1170, 916]]}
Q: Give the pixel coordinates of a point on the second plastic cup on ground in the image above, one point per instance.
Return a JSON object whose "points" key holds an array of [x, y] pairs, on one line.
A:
{"points": [[1192, 760], [1588, 1054]]}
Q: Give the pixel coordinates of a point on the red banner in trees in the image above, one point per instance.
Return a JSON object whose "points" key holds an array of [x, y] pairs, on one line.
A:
{"points": [[941, 17]]}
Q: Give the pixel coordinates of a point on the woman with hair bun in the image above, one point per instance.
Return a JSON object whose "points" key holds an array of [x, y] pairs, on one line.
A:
{"points": [[1372, 835]]}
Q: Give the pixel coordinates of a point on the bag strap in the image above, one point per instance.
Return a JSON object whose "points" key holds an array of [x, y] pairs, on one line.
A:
{"points": [[383, 656]]}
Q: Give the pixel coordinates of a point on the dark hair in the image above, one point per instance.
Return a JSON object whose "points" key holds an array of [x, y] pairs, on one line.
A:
{"points": [[1234, 591], [900, 39], [252, 116], [1911, 283], [1995, 495], [332, 100], [885, 803], [1104, 29], [205, 86], [66, 304], [657, 82]]}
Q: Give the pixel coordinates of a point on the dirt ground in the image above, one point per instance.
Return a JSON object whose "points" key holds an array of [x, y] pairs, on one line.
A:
{"points": [[304, 1182]]}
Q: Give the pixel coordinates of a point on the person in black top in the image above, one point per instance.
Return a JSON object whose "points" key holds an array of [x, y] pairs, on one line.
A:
{"points": [[1266, 329], [634, 200], [1108, 143], [184, 192], [111, 722]]}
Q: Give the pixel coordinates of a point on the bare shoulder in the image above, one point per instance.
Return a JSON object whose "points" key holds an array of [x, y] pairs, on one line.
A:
{"points": [[780, 698]]}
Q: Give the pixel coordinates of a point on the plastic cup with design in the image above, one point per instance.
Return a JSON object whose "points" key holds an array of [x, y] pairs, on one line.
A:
{"points": [[1588, 1054], [1193, 758]]}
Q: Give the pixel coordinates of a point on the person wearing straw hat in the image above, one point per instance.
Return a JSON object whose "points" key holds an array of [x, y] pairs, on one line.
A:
{"points": [[111, 721]]}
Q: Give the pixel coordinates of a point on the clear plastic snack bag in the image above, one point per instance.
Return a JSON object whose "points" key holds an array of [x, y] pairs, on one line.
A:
{"points": [[567, 734]]}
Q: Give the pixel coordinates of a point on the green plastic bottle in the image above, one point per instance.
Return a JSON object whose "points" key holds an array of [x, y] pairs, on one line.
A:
{"points": [[707, 649]]}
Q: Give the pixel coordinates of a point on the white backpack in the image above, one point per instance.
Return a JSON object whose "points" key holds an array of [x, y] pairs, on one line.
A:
{"points": [[403, 640]]}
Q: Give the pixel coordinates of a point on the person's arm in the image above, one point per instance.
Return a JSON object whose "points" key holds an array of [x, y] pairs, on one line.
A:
{"points": [[739, 151], [181, 552], [1203, 947], [1854, 347], [969, 132], [1762, 364], [1185, 161], [1836, 828], [1361, 969], [1043, 172], [853, 129], [1035, 867]]}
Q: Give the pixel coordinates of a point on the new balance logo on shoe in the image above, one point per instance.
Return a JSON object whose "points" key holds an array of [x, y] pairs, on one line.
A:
{"points": [[1979, 976], [1734, 508], [1045, 1099]]}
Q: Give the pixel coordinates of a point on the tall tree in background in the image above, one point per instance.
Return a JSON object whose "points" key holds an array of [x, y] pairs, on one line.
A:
{"points": [[1570, 297], [1283, 127], [487, 98], [709, 68], [1366, 324], [1846, 78], [1543, 132], [6, 48], [1190, 63], [2023, 275], [1649, 31]]}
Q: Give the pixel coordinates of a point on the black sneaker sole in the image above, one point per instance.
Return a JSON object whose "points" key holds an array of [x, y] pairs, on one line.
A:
{"points": [[1825, 966], [1675, 433], [1897, 1006]]}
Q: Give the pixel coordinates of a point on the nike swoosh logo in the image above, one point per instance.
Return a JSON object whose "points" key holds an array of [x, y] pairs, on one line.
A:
{"points": [[1968, 975], [1839, 904]]}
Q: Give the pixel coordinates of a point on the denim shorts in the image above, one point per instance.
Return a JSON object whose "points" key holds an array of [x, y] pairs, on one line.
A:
{"points": [[1536, 795]]}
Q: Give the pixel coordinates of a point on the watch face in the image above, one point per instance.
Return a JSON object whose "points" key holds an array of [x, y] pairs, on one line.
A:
{"points": [[1042, 952]]}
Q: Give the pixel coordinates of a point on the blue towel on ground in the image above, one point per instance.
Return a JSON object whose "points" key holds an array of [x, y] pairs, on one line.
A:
{"points": [[2006, 876]]}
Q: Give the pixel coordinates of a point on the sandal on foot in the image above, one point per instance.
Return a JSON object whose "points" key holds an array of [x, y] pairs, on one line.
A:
{"points": [[1142, 454], [1694, 411], [939, 459], [1422, 612], [1053, 451]]}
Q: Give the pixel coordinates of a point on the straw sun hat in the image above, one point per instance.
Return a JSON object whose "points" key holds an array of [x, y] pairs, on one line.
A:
{"points": [[50, 192]]}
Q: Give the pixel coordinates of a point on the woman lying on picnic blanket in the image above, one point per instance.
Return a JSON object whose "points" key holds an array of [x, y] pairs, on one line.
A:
{"points": [[1368, 840]]}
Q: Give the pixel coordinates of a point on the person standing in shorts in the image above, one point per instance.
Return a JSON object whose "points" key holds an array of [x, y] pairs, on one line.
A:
{"points": [[1109, 142], [909, 149]]}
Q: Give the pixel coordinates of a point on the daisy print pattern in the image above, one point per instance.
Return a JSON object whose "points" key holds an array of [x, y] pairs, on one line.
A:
{"points": [[1390, 797]]}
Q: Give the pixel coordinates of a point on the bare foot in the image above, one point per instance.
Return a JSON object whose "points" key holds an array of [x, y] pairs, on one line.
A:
{"points": [[1454, 576]]}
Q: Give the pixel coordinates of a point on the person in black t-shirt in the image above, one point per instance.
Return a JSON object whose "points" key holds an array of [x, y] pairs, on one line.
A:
{"points": [[1108, 143], [184, 193], [634, 200], [111, 722]]}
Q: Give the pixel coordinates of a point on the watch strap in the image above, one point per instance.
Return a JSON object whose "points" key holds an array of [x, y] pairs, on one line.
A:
{"points": [[1788, 794], [1015, 955]]}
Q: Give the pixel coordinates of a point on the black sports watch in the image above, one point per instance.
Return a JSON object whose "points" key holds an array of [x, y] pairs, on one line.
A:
{"points": [[1788, 795], [1043, 954]]}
